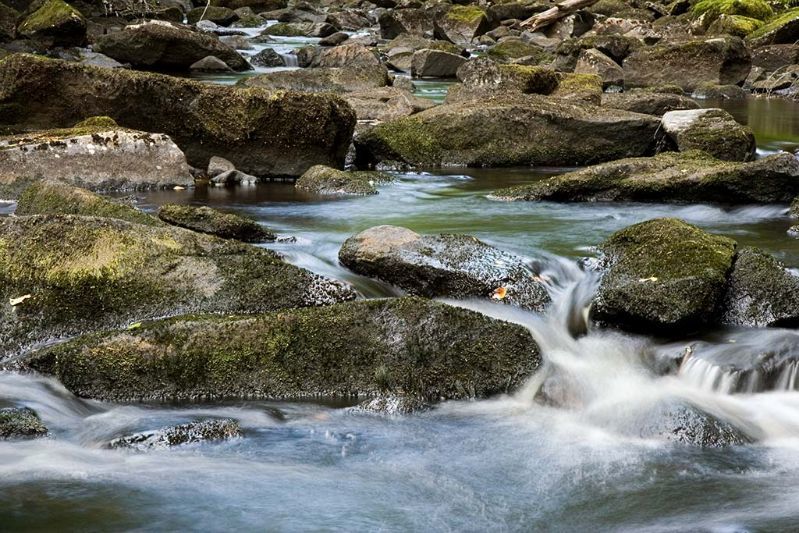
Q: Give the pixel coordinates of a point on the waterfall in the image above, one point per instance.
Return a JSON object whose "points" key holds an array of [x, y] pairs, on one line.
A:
{"points": [[289, 59]]}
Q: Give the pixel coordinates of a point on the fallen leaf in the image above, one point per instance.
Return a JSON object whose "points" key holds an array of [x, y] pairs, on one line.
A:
{"points": [[499, 293], [137, 325], [16, 301], [653, 278]]}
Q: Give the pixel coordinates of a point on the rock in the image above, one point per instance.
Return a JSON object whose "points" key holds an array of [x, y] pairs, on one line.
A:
{"points": [[256, 5], [483, 79], [20, 423], [579, 88], [687, 425], [53, 198], [95, 156], [648, 103], [386, 103], [515, 50], [268, 58], [721, 61], [775, 56], [783, 80], [435, 64], [222, 16], [238, 42], [592, 61], [347, 56], [714, 131], [525, 130], [210, 64], [783, 29], [461, 24], [616, 47], [718, 92], [457, 266], [85, 274], [213, 222], [411, 21], [760, 292], [234, 177], [55, 23], [300, 29], [709, 11], [735, 25], [334, 40], [321, 80], [8, 23], [192, 433], [662, 276], [670, 177], [262, 133], [405, 347], [217, 165], [330, 181], [160, 45], [417, 42]]}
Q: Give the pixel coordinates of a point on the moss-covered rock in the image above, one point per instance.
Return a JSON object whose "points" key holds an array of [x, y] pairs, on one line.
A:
{"points": [[170, 437], [483, 78], [406, 347], [321, 80], [736, 25], [458, 266], [592, 61], [760, 292], [394, 23], [95, 154], [670, 177], [722, 61], [579, 88], [512, 49], [714, 131], [461, 24], [8, 23], [20, 423], [781, 29], [222, 16], [55, 23], [330, 181], [662, 276], [54, 198], [710, 10], [435, 64], [648, 103], [300, 29], [213, 222], [417, 42], [523, 130], [263, 133], [62, 275], [616, 47], [159, 45]]}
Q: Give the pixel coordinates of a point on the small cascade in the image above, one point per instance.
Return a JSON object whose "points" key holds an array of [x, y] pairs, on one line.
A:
{"points": [[772, 374], [289, 59]]}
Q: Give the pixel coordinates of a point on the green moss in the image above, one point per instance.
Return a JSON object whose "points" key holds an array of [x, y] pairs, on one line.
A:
{"points": [[582, 87], [97, 122], [214, 222], [510, 49], [284, 29], [735, 25], [775, 23], [465, 14], [406, 347], [20, 423], [52, 198], [51, 14], [712, 9], [410, 140], [320, 179]]}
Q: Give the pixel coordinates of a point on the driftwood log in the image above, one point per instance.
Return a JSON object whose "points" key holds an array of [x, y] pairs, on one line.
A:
{"points": [[553, 14]]}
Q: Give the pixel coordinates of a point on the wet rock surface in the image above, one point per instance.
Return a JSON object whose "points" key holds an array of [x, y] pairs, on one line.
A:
{"points": [[20, 424], [330, 181], [184, 434], [214, 222]]}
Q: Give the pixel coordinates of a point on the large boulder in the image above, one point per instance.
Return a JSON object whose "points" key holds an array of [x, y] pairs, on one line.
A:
{"points": [[386, 103], [160, 45], [483, 78], [207, 220], [55, 23], [648, 103], [96, 155], [435, 64], [592, 61], [616, 47], [524, 130], [461, 24], [515, 50], [783, 29], [300, 29], [64, 274], [395, 22], [170, 437], [458, 266], [670, 177], [49, 197], [721, 61], [760, 292], [775, 56], [714, 131], [321, 80], [18, 423], [662, 276], [406, 347], [262, 133], [223, 16], [324, 180]]}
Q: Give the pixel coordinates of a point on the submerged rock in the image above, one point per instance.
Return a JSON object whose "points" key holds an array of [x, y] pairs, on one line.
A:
{"points": [[207, 220], [330, 181], [262, 133], [458, 266], [760, 292], [670, 177], [161, 45], [406, 347], [97, 155], [662, 276], [64, 275], [192, 433], [721, 61], [714, 131], [524, 130], [20, 423], [54, 198], [687, 425]]}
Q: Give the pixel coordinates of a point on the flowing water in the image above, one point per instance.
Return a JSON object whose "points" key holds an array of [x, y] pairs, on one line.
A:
{"points": [[572, 450]]}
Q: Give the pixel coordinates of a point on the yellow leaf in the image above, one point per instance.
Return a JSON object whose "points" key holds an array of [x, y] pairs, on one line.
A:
{"points": [[16, 301]]}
